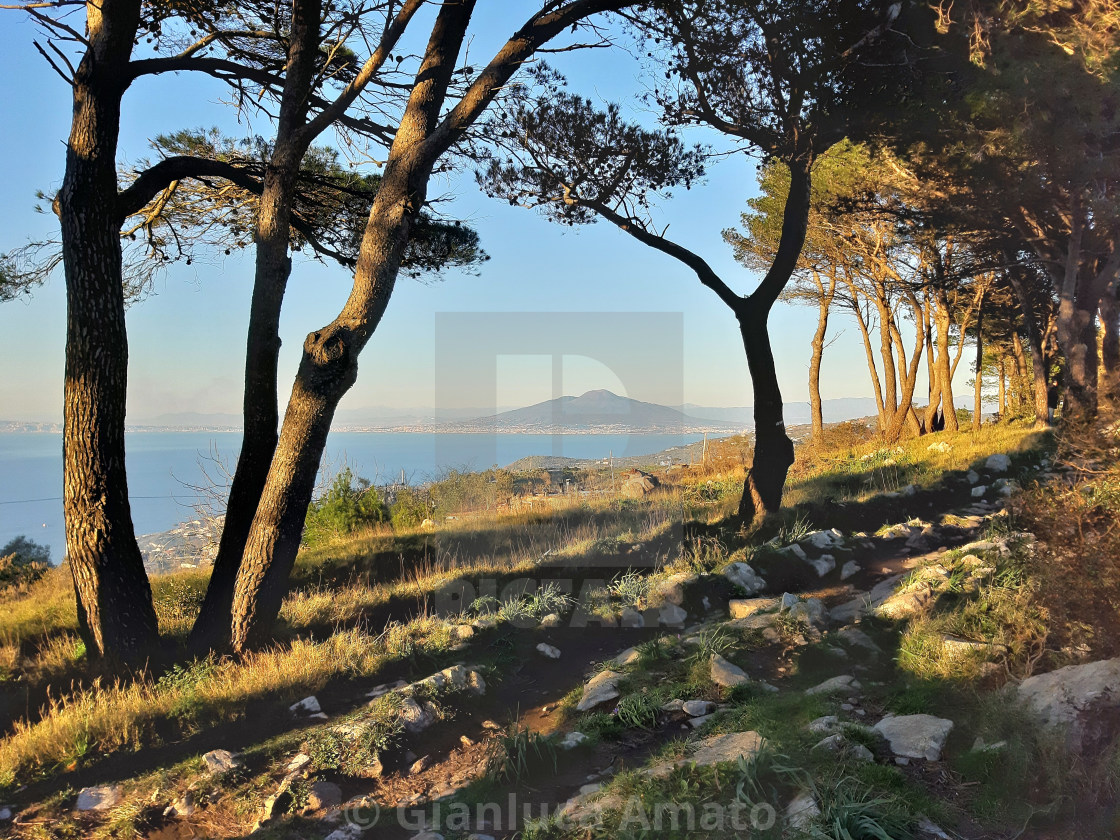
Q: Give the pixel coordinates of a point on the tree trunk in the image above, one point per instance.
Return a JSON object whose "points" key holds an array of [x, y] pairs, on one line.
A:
{"points": [[329, 366], [1020, 370], [773, 450], [1110, 348], [818, 353], [114, 597], [1002, 388], [273, 268], [944, 364], [978, 397], [1040, 365]]}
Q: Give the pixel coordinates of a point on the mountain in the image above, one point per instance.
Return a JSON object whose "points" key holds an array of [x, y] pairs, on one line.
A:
{"points": [[592, 409]]}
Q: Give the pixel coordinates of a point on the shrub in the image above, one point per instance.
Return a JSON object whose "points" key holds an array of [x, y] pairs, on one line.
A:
{"points": [[23, 561], [409, 509], [349, 505]]}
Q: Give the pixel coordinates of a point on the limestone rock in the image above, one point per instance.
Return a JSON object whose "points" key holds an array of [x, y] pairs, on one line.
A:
{"points": [[220, 761], [823, 564], [1082, 699], [572, 740], [727, 674], [306, 706], [979, 490], [823, 725], [632, 618], [627, 657], [998, 463], [915, 736], [744, 608], [743, 576], [844, 682], [599, 689], [99, 798], [697, 708], [794, 550], [718, 749], [416, 717], [548, 651], [671, 615], [182, 807], [801, 811], [848, 569]]}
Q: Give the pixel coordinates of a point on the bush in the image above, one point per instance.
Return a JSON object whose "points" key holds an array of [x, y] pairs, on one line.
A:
{"points": [[409, 509], [349, 505], [23, 561]]}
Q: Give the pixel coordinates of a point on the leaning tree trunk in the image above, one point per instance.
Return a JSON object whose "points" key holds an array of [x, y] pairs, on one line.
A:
{"points": [[944, 364], [114, 597], [773, 450], [262, 351], [329, 366]]}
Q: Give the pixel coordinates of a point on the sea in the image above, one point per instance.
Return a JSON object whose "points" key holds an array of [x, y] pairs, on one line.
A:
{"points": [[165, 469]]}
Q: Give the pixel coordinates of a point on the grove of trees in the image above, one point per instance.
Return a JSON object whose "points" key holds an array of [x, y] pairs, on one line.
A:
{"points": [[945, 177]]}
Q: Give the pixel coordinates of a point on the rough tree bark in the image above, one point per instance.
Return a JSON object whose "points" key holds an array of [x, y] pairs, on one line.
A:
{"points": [[272, 270], [294, 136], [329, 364], [115, 609]]}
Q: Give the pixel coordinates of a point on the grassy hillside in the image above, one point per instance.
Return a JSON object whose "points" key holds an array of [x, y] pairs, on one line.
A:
{"points": [[386, 605]]}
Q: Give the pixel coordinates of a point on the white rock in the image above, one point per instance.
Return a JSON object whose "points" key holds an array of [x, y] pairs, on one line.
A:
{"points": [[599, 689], [416, 717], [1078, 698], [848, 569], [743, 576], [915, 736], [823, 725], [627, 657], [973, 477], [718, 749], [306, 706], [801, 811], [347, 832], [674, 705], [794, 550], [697, 708], [998, 463], [547, 650], [979, 491], [823, 564], [789, 600], [99, 798], [220, 761], [630, 617], [843, 682], [727, 674], [671, 615], [572, 740], [744, 608], [825, 539], [943, 446]]}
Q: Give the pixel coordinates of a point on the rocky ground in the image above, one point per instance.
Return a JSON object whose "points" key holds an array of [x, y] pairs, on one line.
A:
{"points": [[692, 687]]}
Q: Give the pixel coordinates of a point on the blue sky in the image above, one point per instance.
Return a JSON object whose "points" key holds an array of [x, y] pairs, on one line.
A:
{"points": [[186, 340]]}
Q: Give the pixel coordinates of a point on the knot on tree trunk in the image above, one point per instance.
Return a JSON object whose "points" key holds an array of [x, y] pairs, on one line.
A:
{"points": [[332, 355]]}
